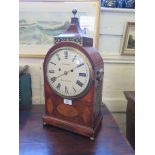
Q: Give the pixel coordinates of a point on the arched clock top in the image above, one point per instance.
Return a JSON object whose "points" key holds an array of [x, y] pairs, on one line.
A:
{"points": [[92, 54]]}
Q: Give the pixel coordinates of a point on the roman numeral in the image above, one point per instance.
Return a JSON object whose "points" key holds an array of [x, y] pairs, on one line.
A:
{"points": [[80, 65], [53, 79], [66, 54], [58, 56], [51, 71], [79, 83], [66, 90], [58, 86], [82, 74], [74, 58], [74, 89], [52, 63]]}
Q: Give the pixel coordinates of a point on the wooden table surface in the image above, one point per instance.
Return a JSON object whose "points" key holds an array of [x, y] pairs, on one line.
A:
{"points": [[38, 140], [130, 95], [130, 117]]}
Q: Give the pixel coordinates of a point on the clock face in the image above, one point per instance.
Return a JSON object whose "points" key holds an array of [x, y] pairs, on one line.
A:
{"points": [[68, 72]]}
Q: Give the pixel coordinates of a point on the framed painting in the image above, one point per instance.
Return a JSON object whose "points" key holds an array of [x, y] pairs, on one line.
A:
{"points": [[128, 43], [40, 21]]}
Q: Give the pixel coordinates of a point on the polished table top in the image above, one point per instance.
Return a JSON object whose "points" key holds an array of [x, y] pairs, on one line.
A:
{"points": [[38, 140], [130, 95]]}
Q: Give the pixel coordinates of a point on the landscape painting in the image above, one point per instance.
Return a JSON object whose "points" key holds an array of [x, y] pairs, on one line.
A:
{"points": [[39, 31], [128, 42], [131, 38], [39, 22]]}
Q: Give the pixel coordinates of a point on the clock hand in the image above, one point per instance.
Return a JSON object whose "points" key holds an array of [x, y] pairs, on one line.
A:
{"points": [[66, 72], [76, 67], [61, 75]]}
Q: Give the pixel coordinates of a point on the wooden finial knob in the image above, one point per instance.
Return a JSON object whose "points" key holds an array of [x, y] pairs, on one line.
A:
{"points": [[74, 11]]}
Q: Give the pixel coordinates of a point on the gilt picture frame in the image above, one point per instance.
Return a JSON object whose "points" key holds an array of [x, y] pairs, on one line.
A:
{"points": [[40, 21], [128, 41]]}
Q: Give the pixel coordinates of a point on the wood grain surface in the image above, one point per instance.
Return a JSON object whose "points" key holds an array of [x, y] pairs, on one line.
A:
{"points": [[38, 140]]}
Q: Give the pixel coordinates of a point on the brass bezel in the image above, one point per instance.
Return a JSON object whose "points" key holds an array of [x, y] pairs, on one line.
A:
{"points": [[90, 72]]}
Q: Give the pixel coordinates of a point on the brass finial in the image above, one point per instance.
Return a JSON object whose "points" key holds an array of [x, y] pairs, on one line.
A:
{"points": [[74, 11]]}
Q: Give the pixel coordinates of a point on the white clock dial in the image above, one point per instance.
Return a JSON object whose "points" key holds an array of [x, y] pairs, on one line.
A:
{"points": [[68, 72]]}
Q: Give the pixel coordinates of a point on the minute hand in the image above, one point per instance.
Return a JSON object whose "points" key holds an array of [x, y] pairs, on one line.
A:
{"points": [[66, 72], [77, 67]]}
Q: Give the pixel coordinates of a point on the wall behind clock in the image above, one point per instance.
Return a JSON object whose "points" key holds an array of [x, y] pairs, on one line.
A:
{"points": [[119, 70], [112, 24]]}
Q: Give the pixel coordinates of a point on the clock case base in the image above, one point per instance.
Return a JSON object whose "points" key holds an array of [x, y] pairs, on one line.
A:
{"points": [[76, 128]]}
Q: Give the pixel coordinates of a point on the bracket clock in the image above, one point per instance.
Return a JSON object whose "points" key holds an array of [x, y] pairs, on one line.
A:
{"points": [[73, 79]]}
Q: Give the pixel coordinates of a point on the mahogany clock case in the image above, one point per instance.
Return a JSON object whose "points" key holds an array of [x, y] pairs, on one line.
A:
{"points": [[84, 115]]}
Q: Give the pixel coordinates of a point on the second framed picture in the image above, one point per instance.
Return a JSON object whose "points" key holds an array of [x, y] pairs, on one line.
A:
{"points": [[128, 42]]}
